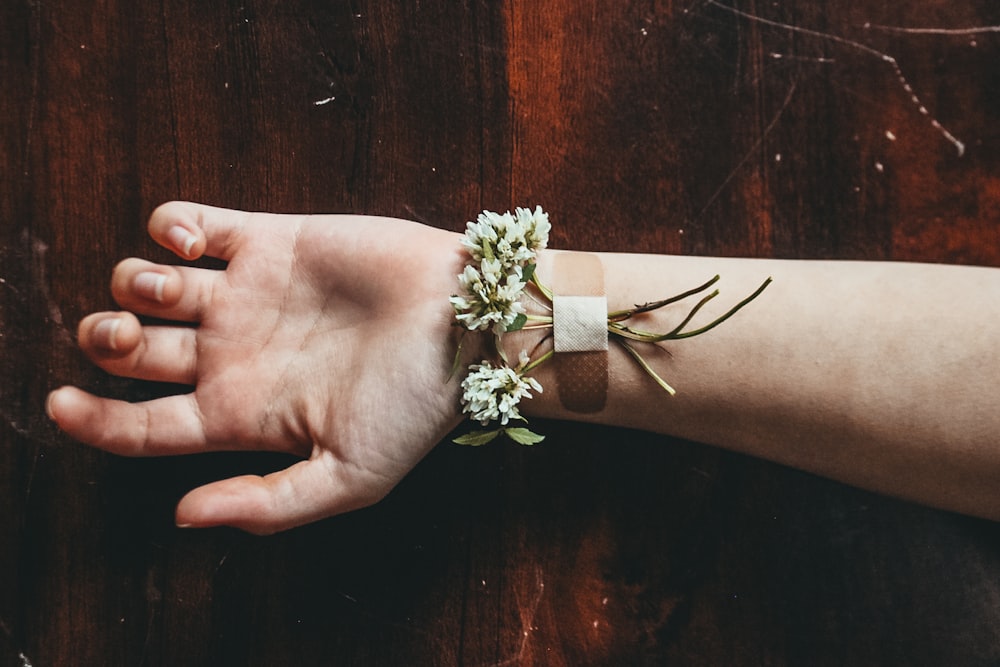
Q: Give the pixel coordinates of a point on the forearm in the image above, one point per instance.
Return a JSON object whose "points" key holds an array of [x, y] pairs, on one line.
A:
{"points": [[875, 374]]}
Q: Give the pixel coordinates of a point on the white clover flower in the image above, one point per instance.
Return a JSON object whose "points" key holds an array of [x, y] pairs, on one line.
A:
{"points": [[490, 297], [480, 237], [536, 227], [492, 394], [512, 239]]}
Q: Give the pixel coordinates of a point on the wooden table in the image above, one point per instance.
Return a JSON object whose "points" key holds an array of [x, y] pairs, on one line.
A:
{"points": [[813, 129]]}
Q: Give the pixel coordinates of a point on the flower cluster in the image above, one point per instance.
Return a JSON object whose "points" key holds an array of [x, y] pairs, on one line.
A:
{"points": [[490, 297], [513, 239], [503, 249], [492, 393]]}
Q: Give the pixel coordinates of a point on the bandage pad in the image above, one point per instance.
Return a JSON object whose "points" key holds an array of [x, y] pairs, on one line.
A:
{"points": [[580, 331]]}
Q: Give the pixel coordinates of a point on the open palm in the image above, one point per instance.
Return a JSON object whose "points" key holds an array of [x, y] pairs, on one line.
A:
{"points": [[325, 336]]}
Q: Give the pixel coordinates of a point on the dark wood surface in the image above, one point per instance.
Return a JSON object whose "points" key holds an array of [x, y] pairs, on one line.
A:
{"points": [[770, 129]]}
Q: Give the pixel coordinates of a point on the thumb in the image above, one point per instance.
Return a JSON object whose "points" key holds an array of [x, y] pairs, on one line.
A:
{"points": [[304, 492]]}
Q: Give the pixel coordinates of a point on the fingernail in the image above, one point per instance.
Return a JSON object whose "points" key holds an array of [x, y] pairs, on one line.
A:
{"points": [[150, 285], [181, 239], [106, 333], [48, 405]]}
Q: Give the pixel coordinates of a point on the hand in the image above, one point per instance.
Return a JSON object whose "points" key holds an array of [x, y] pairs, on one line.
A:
{"points": [[329, 337]]}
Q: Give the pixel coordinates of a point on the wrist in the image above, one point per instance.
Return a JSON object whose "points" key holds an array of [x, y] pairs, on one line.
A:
{"points": [[494, 286]]}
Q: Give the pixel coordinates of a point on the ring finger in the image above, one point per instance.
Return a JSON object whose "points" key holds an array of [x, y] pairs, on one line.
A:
{"points": [[119, 344]]}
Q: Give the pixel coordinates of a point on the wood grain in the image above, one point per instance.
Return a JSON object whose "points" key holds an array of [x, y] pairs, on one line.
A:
{"points": [[758, 129]]}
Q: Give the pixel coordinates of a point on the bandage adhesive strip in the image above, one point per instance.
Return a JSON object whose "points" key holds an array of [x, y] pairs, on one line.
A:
{"points": [[580, 331]]}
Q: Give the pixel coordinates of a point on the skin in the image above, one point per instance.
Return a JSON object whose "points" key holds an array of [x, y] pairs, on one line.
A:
{"points": [[878, 374], [325, 335], [304, 344]]}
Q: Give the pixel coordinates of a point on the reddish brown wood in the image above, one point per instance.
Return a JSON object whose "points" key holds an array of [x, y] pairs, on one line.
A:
{"points": [[767, 129]]}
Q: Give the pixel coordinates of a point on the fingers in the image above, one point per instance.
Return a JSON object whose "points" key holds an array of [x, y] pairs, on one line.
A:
{"points": [[307, 491], [191, 230], [176, 293], [161, 427], [120, 345]]}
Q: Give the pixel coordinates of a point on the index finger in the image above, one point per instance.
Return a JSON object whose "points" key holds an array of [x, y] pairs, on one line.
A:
{"points": [[192, 230]]}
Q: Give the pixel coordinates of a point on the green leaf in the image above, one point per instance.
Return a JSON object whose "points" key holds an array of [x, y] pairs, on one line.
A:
{"points": [[518, 322], [476, 438], [523, 436], [527, 273]]}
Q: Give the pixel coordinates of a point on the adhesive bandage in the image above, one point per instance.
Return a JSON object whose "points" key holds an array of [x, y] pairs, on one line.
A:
{"points": [[580, 331]]}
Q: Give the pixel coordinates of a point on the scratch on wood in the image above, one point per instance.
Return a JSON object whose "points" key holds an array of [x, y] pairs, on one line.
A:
{"points": [[863, 48], [527, 622], [222, 561], [39, 274], [811, 59], [753, 149], [960, 32]]}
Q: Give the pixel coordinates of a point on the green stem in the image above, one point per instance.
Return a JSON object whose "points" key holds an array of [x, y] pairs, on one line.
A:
{"points": [[615, 328], [538, 362], [732, 311], [457, 362], [620, 315], [646, 367], [546, 292], [498, 346], [622, 331], [694, 311], [546, 306]]}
